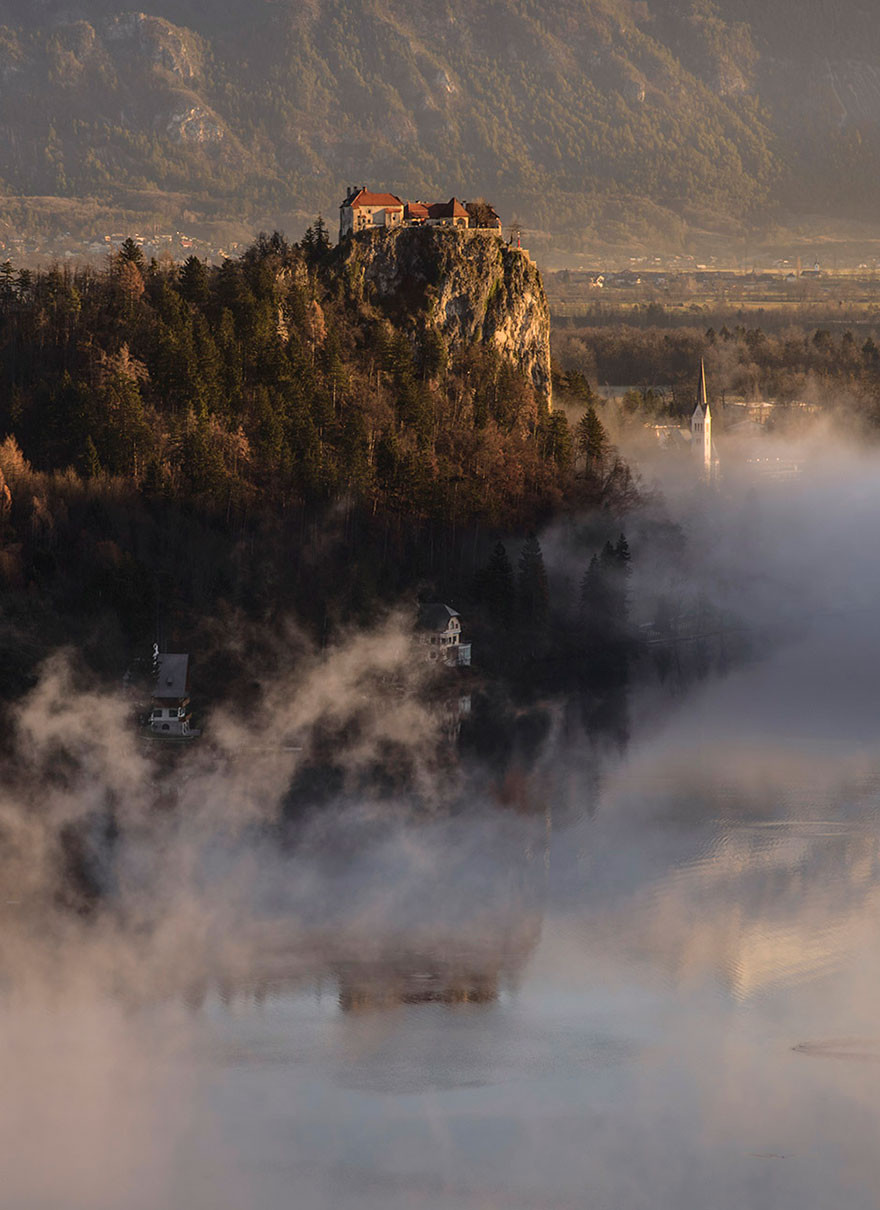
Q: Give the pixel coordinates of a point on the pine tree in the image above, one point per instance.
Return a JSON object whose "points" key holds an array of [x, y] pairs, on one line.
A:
{"points": [[557, 443], [578, 384], [498, 587], [433, 355], [316, 241], [593, 602], [591, 441], [533, 593], [91, 461], [7, 287], [131, 253], [193, 281], [322, 236]]}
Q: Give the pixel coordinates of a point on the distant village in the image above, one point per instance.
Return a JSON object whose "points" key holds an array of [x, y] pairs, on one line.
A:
{"points": [[177, 245]]}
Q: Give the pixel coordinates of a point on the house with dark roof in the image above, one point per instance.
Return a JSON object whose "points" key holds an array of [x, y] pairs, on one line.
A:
{"points": [[415, 213], [436, 214], [169, 715], [439, 628], [447, 214]]}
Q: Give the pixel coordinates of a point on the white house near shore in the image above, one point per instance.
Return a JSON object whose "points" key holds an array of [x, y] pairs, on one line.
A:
{"points": [[169, 715], [439, 628]]}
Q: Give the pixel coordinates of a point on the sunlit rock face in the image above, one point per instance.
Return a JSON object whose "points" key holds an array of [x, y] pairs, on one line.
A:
{"points": [[196, 125], [469, 284]]}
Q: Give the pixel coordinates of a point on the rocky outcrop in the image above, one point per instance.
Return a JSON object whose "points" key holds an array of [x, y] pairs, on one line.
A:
{"points": [[196, 125], [468, 284], [166, 46]]}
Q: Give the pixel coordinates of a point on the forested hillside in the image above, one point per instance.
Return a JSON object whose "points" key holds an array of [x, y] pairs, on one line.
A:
{"points": [[267, 437], [581, 117]]}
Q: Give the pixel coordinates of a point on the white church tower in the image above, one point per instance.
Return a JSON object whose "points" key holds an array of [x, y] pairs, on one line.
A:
{"points": [[701, 431]]}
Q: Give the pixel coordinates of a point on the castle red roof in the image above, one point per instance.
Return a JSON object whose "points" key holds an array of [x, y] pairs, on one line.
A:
{"points": [[451, 209], [416, 210], [364, 197]]}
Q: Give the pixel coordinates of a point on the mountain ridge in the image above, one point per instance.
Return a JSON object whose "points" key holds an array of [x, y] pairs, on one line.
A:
{"points": [[584, 119]]}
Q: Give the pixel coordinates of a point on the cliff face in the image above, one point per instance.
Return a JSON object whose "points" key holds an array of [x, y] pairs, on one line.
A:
{"points": [[468, 284]]}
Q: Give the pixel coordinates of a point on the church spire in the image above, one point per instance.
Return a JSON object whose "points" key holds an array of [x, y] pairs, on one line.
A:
{"points": [[701, 429]]}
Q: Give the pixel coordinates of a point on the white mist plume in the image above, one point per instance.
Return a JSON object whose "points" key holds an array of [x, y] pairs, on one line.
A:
{"points": [[699, 869]]}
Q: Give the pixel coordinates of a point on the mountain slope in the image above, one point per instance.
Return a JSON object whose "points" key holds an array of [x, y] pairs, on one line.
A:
{"points": [[579, 116]]}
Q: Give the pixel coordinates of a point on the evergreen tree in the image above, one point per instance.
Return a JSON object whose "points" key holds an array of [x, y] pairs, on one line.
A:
{"points": [[433, 355], [131, 253], [533, 593], [498, 587], [557, 443], [322, 237], [591, 441], [577, 384], [593, 596], [91, 461], [7, 285], [193, 281], [316, 241]]}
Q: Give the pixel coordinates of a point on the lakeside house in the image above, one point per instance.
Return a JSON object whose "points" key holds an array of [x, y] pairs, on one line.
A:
{"points": [[363, 209], [169, 715], [439, 627]]}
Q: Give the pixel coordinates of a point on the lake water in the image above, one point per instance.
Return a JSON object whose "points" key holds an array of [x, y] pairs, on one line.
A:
{"points": [[660, 994]]}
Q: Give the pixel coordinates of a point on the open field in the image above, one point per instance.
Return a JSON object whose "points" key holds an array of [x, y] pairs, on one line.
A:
{"points": [[710, 299]]}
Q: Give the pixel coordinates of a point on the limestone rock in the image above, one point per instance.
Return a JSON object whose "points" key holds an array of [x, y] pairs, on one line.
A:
{"points": [[468, 284]]}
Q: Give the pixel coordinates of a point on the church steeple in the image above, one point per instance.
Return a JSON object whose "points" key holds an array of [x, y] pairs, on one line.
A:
{"points": [[703, 398], [701, 429]]}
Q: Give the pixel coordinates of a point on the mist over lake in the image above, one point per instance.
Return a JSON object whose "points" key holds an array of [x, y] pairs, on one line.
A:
{"points": [[439, 579], [648, 979]]}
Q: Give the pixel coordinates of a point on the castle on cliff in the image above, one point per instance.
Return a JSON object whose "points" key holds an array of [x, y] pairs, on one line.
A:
{"points": [[364, 210]]}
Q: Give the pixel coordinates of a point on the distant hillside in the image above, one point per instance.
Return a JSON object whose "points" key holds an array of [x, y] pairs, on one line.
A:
{"points": [[617, 119]]}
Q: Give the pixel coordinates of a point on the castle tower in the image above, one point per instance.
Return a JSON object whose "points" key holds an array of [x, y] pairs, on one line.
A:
{"points": [[701, 430]]}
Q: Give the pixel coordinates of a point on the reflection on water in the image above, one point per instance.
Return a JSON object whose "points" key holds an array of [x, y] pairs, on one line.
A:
{"points": [[628, 1011]]}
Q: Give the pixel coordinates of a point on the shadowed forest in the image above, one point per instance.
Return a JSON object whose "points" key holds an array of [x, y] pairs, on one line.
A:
{"points": [[185, 448]]}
